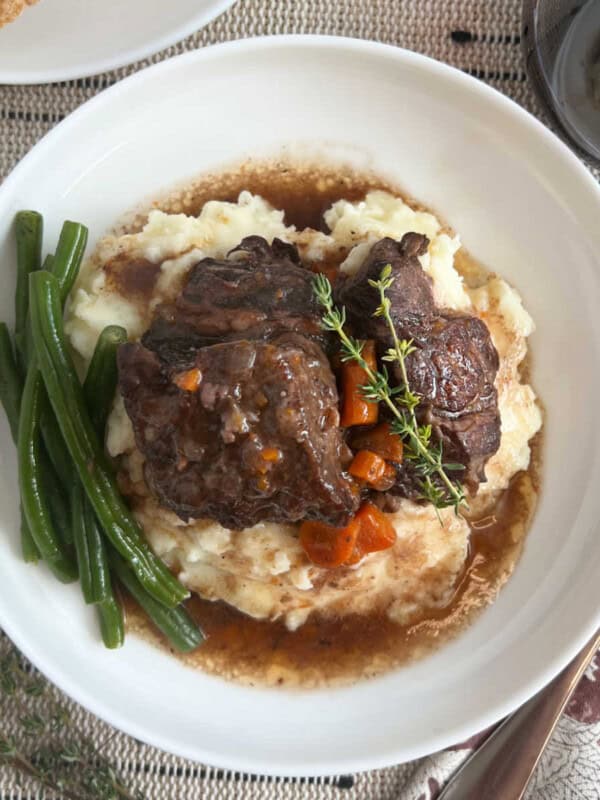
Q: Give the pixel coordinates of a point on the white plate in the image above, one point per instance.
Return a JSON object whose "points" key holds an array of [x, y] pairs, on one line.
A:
{"points": [[522, 203], [58, 40]]}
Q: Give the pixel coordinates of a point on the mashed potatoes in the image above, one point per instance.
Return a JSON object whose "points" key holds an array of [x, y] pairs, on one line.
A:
{"points": [[263, 571]]}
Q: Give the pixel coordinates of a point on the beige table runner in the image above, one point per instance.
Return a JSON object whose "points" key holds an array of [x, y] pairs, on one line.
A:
{"points": [[481, 37]]}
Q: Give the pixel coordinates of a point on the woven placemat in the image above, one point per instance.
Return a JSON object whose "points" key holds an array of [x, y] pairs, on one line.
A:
{"points": [[481, 37]]}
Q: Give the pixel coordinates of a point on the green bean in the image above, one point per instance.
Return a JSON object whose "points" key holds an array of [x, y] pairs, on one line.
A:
{"points": [[112, 623], [64, 266], [176, 624], [29, 226], [68, 255], [28, 336], [58, 503], [11, 386], [29, 549], [94, 572], [56, 448], [97, 550], [102, 375], [66, 397], [51, 499], [11, 390], [26, 350], [78, 523], [92, 559], [33, 500], [99, 390]]}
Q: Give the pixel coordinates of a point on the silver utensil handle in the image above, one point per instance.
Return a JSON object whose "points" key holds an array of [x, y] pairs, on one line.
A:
{"points": [[502, 766]]}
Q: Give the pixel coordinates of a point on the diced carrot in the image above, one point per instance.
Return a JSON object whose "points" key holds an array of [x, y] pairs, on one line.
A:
{"points": [[367, 466], [376, 530], [356, 410], [262, 484], [380, 440], [387, 480], [188, 381], [271, 454], [327, 546], [267, 457], [373, 469], [375, 533]]}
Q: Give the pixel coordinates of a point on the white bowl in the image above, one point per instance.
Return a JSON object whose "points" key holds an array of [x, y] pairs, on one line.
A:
{"points": [[522, 203], [57, 40]]}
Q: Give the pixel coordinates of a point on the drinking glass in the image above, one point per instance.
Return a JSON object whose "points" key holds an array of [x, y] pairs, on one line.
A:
{"points": [[561, 40]]}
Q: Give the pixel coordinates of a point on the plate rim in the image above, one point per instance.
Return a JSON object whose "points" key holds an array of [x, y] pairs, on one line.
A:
{"points": [[388, 756], [125, 58]]}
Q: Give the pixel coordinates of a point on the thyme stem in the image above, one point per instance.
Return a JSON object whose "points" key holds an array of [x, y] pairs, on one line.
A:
{"points": [[401, 350], [400, 400], [47, 744]]}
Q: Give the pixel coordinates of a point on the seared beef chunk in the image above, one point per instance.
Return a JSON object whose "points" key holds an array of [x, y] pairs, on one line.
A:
{"points": [[410, 294], [453, 367], [258, 290], [175, 343], [255, 438], [456, 365], [234, 404], [453, 370]]}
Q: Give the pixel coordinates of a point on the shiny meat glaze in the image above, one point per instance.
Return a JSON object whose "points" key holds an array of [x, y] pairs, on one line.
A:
{"points": [[411, 296], [258, 290], [453, 367], [259, 439], [454, 371]]}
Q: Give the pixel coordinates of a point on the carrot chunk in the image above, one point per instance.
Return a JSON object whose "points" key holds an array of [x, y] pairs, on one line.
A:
{"points": [[387, 480], [380, 440], [188, 381], [355, 409], [367, 466], [327, 546], [271, 454], [376, 532]]}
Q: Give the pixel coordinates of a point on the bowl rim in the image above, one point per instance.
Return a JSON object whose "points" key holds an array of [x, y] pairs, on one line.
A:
{"points": [[389, 755], [172, 36]]}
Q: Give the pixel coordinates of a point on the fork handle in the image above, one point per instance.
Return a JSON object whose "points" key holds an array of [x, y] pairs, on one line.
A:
{"points": [[502, 766]]}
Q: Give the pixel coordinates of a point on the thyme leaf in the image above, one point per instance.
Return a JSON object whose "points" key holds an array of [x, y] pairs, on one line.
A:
{"points": [[436, 486], [47, 749]]}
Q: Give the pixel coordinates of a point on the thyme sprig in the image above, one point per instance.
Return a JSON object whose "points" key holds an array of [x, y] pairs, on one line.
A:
{"points": [[45, 746], [426, 457]]}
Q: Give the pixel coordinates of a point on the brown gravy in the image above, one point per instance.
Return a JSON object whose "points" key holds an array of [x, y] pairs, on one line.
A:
{"points": [[327, 651], [302, 192], [132, 278]]}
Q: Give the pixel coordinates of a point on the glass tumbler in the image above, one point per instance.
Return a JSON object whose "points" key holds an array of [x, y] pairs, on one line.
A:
{"points": [[561, 41]]}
